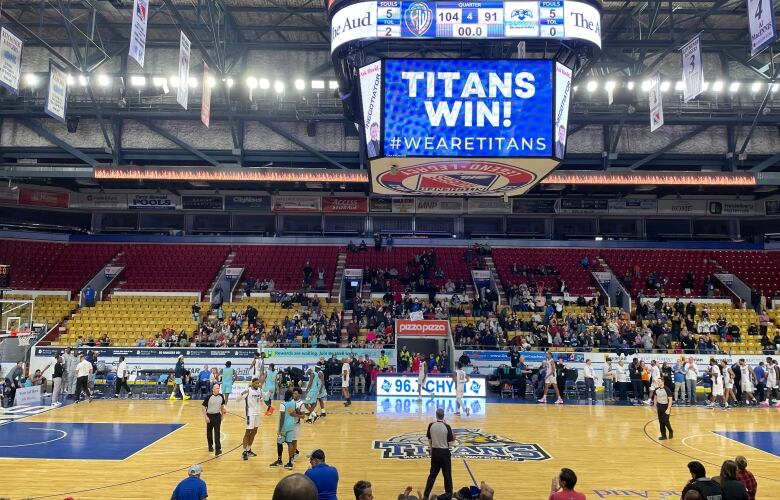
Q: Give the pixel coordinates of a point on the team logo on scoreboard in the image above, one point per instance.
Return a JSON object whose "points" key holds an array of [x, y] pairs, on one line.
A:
{"points": [[418, 18], [521, 14], [472, 444], [461, 178]]}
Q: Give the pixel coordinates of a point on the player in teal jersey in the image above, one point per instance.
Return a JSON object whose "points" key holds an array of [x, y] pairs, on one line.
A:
{"points": [[312, 394], [228, 374], [269, 380], [286, 432]]}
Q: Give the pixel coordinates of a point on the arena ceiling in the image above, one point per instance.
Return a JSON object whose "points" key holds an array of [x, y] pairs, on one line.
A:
{"points": [[275, 100]]}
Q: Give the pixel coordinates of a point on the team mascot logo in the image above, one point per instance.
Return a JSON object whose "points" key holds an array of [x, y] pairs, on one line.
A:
{"points": [[418, 18], [471, 444]]}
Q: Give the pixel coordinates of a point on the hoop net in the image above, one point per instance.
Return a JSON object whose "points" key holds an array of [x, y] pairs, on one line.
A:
{"points": [[23, 337]]}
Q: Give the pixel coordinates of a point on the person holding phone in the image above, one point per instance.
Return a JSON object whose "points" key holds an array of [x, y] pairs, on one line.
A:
{"points": [[562, 487]]}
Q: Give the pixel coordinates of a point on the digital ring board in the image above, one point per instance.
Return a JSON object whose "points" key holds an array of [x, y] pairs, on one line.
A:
{"points": [[411, 19]]}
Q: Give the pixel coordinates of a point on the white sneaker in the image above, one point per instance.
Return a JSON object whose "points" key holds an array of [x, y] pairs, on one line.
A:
{"points": [[559, 402]]}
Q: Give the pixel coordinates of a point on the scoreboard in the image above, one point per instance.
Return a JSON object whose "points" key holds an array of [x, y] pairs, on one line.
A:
{"points": [[496, 19]]}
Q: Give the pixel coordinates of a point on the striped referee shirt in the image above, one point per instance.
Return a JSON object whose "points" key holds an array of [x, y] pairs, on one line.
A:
{"points": [[440, 435]]}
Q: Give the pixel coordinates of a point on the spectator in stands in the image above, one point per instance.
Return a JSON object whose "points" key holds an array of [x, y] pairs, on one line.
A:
{"points": [[196, 312], [295, 487], [325, 477], [204, 377], [307, 272], [699, 482], [191, 488], [733, 489], [562, 487], [746, 477], [377, 242], [362, 248]]}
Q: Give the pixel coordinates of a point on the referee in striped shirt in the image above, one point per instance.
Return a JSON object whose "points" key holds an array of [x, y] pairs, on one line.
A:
{"points": [[439, 438]]}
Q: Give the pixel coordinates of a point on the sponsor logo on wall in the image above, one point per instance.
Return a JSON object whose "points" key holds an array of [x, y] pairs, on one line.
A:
{"points": [[344, 204], [152, 202]]}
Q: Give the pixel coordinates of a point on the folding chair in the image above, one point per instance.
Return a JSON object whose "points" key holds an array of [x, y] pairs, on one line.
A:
{"points": [[570, 390]]}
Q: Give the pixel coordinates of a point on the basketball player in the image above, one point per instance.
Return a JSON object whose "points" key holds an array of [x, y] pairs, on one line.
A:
{"points": [[420, 378], [771, 381], [323, 390], [717, 385], [178, 380], [746, 379], [728, 383], [312, 394], [268, 380], [286, 430], [655, 374], [299, 412], [549, 379], [252, 410], [461, 379], [121, 379], [256, 366], [345, 370], [228, 374]]}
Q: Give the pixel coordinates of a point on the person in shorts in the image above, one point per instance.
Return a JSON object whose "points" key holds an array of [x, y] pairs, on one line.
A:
{"points": [[252, 397], [286, 431]]}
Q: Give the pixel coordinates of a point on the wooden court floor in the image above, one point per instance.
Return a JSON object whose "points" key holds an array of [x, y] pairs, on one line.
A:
{"points": [[613, 450]]}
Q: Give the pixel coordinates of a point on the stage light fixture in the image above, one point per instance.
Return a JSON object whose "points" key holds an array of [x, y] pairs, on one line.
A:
{"points": [[279, 87], [174, 82], [630, 85], [775, 86], [679, 86], [264, 83], [591, 86], [229, 82], [646, 85], [705, 87], [31, 79], [333, 84], [70, 80], [300, 84], [138, 81], [734, 87], [755, 87], [192, 82], [103, 80], [609, 86], [211, 82], [717, 86], [251, 82], [318, 84], [665, 86], [82, 80]]}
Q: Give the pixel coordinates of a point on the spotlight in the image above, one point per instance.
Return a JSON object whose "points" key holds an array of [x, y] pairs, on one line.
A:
{"points": [[70, 80], [756, 87], [82, 80], [174, 82], [251, 82], [717, 86], [705, 86], [679, 86], [318, 84], [159, 81], [609, 86], [264, 84], [665, 86], [103, 80], [279, 87], [333, 85], [630, 85], [229, 82], [591, 86], [300, 84], [138, 81], [775, 86], [646, 85], [734, 87], [31, 79], [192, 82]]}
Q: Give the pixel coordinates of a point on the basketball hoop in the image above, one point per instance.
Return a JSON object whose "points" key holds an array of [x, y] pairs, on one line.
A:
{"points": [[23, 337]]}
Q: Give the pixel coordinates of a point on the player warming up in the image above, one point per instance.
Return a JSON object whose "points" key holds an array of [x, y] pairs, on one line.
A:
{"points": [[299, 412], [268, 380], [323, 389], [461, 379], [286, 431], [549, 379], [345, 370], [252, 397], [420, 379], [312, 395]]}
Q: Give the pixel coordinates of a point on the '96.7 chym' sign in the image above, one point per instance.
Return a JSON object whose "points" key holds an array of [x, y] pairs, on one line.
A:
{"points": [[438, 386]]}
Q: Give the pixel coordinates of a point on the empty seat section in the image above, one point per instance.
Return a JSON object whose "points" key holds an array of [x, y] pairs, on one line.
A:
{"points": [[284, 263], [565, 261]]}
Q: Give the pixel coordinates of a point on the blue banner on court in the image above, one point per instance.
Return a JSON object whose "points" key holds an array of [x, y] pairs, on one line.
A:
{"points": [[468, 108]]}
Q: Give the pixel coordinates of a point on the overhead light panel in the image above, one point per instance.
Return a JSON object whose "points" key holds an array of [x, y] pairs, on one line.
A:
{"points": [[138, 81], [192, 81], [665, 86], [211, 82], [775, 86], [229, 82], [82, 80], [630, 85], [279, 87], [31, 79], [70, 80], [717, 86], [333, 85], [591, 86], [646, 85], [103, 80], [318, 84], [734, 87], [300, 84], [755, 87], [264, 83], [609, 86], [251, 82], [679, 86], [174, 81]]}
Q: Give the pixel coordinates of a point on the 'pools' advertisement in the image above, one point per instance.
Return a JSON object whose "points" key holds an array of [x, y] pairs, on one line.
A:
{"points": [[468, 108]]}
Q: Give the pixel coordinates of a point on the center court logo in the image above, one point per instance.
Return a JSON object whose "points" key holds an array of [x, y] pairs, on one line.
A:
{"points": [[462, 178], [472, 444]]}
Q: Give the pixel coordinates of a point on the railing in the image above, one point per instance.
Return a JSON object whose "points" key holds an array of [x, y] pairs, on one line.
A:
{"points": [[627, 351]]}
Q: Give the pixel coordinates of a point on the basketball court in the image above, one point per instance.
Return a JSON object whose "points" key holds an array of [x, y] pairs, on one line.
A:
{"points": [[141, 449]]}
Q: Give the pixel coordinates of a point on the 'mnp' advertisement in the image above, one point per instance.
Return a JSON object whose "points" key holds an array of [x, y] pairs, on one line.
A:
{"points": [[468, 108]]}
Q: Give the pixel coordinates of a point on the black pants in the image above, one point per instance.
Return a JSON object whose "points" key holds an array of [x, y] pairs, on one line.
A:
{"points": [[212, 430], [82, 384], [622, 388], [663, 420], [638, 388], [441, 460], [120, 383]]}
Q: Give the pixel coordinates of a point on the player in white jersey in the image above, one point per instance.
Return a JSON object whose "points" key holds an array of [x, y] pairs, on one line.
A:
{"points": [[771, 381], [746, 379], [655, 374], [728, 383], [421, 378], [257, 365], [299, 412], [461, 379], [716, 377], [345, 371], [252, 397]]}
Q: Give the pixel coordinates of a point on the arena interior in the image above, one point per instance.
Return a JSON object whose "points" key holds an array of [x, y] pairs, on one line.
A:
{"points": [[314, 231]]}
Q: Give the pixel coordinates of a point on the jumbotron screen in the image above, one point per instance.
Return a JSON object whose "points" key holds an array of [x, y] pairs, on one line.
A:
{"points": [[407, 19]]}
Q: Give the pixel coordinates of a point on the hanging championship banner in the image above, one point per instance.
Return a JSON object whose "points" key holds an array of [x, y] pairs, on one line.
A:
{"points": [[656, 105], [761, 20], [182, 93], [205, 100], [692, 69], [11, 62], [57, 97], [138, 33]]}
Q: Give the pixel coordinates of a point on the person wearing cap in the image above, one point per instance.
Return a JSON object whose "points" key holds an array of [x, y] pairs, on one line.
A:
{"points": [[440, 437], [191, 488], [324, 476], [178, 382]]}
